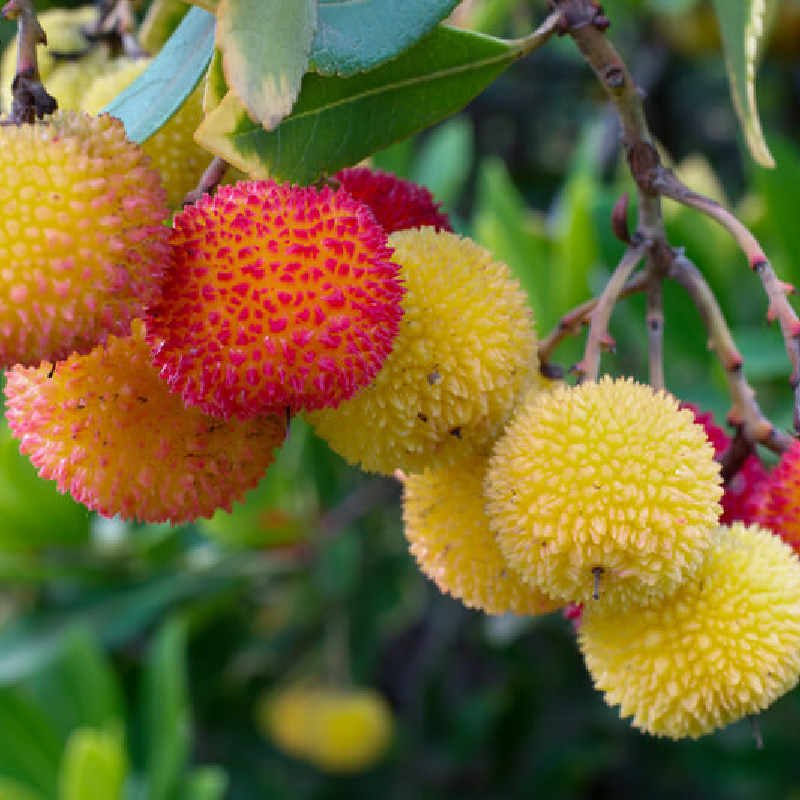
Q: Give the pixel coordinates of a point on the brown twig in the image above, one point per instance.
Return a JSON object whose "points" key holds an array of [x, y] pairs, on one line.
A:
{"points": [[31, 100], [668, 185], [745, 413], [116, 21], [599, 336], [573, 321], [208, 182], [579, 19]]}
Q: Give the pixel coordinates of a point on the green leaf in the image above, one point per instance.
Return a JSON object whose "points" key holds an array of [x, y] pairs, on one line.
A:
{"points": [[204, 783], [741, 24], [359, 35], [115, 617], [216, 88], [337, 121], [30, 749], [80, 687], [265, 49], [13, 790], [148, 103], [93, 766], [445, 160], [160, 22], [166, 710]]}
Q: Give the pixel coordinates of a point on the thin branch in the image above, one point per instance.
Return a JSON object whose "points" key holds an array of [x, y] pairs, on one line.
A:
{"points": [[598, 327], [209, 180], [779, 308], [745, 412], [116, 21], [31, 100], [655, 330], [573, 321]]}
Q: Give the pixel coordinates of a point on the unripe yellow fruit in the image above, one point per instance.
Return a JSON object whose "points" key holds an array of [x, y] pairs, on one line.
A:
{"points": [[464, 355], [338, 730], [172, 148], [68, 81], [724, 645], [605, 488], [449, 536]]}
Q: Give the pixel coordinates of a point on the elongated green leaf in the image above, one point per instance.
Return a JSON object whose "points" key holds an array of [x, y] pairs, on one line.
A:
{"points": [[166, 710], [80, 687], [265, 49], [741, 23], [159, 91], [337, 122], [30, 749], [13, 790], [357, 35], [93, 766]]}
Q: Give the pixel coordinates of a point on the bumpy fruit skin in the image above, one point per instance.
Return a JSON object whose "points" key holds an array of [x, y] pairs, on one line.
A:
{"points": [[107, 429], [338, 730], [449, 536], [778, 502], [725, 645], [281, 297], [606, 482], [742, 495], [397, 204], [174, 153], [465, 354], [82, 248]]}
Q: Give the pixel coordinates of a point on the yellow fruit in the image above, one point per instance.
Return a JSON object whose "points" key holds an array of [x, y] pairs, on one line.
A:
{"points": [[465, 353], [338, 730], [608, 486], [64, 29], [68, 81], [449, 536], [725, 645], [83, 247], [174, 153]]}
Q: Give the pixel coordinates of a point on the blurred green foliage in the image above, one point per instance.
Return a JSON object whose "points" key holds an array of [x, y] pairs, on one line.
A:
{"points": [[132, 657]]}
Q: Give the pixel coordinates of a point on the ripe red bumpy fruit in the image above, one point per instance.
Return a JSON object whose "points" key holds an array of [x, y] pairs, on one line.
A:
{"points": [[82, 246], [281, 297], [397, 204]]}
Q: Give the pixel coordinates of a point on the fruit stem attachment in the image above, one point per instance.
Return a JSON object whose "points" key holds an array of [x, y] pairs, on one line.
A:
{"points": [[573, 321], [208, 182], [745, 412], [598, 327], [31, 100], [655, 330]]}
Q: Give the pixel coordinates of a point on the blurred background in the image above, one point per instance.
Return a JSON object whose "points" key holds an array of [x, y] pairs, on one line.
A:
{"points": [[146, 662]]}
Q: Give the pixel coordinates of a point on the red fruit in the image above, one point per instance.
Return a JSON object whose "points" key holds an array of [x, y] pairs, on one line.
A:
{"points": [[281, 297], [743, 492], [396, 203], [778, 506]]}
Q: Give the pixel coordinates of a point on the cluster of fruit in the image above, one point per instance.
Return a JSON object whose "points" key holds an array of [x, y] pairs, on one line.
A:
{"points": [[153, 370]]}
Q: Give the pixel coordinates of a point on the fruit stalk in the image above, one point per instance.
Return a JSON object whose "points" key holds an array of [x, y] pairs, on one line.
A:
{"points": [[745, 412], [655, 330], [31, 100], [776, 290], [571, 323], [598, 328]]}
